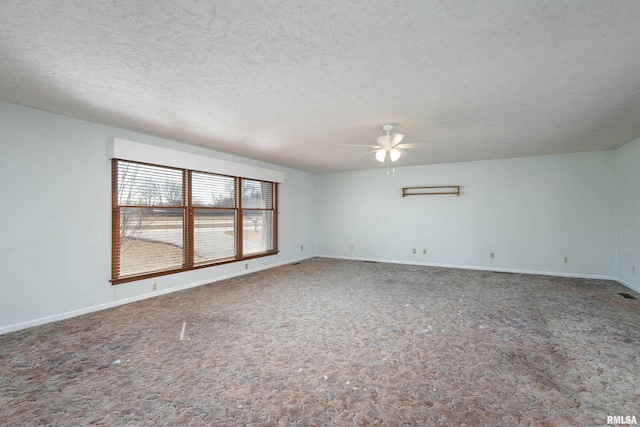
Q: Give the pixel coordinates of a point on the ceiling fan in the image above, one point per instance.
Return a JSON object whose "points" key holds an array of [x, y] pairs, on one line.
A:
{"points": [[389, 146]]}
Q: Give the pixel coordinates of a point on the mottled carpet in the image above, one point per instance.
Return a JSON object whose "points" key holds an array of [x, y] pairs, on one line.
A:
{"points": [[331, 342]]}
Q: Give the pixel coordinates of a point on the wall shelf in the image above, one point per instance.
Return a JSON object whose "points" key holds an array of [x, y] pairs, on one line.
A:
{"points": [[430, 191]]}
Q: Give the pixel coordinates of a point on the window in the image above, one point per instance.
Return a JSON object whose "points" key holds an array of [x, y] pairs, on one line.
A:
{"points": [[167, 220]]}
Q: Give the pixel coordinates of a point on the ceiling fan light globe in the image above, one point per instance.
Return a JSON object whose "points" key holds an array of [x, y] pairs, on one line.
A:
{"points": [[381, 155], [394, 154]]}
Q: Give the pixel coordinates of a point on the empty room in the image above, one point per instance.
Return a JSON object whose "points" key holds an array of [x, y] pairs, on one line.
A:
{"points": [[320, 213]]}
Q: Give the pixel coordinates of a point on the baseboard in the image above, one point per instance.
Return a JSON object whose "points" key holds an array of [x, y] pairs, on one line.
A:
{"points": [[111, 304], [475, 267], [628, 285]]}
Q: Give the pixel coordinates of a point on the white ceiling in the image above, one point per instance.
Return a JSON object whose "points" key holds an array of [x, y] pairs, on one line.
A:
{"points": [[288, 81]]}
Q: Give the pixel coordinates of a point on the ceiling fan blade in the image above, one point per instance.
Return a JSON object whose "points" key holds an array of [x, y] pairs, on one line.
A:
{"points": [[396, 138], [412, 145], [384, 139], [359, 145], [364, 154]]}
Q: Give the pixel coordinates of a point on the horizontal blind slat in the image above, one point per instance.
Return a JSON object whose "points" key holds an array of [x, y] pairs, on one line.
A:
{"points": [[147, 185], [214, 234], [150, 241], [212, 190]]}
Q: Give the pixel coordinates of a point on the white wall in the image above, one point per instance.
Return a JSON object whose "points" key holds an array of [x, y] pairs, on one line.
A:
{"points": [[531, 212], [55, 221], [628, 214]]}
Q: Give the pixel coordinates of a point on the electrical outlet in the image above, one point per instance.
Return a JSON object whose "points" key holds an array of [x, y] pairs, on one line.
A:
{"points": [[302, 247], [492, 255], [154, 287], [246, 266], [351, 247], [565, 260], [633, 269], [414, 251], [424, 252]]}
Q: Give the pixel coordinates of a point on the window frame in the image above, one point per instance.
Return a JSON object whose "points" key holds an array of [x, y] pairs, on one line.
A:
{"points": [[188, 224]]}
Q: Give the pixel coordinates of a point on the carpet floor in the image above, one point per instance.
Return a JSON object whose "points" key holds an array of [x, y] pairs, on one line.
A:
{"points": [[337, 343]]}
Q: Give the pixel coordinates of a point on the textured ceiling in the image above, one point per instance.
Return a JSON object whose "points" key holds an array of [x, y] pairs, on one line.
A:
{"points": [[287, 82]]}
